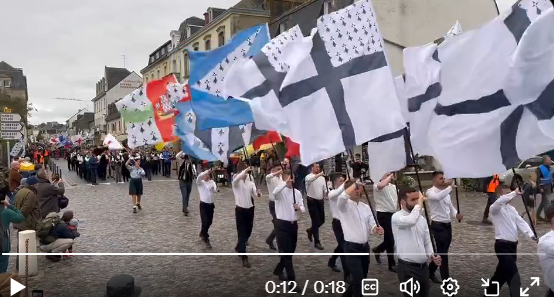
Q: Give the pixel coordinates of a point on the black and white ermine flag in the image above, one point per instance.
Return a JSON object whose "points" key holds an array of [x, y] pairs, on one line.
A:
{"points": [[332, 90], [495, 107]]}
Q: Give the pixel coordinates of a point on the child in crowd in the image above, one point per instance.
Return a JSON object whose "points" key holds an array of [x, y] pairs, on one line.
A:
{"points": [[73, 223]]}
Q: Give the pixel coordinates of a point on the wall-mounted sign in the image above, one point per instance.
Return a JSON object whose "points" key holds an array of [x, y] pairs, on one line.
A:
{"points": [[130, 84]]}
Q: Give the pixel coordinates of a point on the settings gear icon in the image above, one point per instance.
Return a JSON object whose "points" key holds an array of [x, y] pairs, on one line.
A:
{"points": [[450, 287]]}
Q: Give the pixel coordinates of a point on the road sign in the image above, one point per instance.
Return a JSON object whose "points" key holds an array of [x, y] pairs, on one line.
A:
{"points": [[10, 117], [11, 126], [9, 135]]}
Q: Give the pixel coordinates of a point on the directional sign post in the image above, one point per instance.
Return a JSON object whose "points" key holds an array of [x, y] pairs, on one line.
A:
{"points": [[11, 128]]}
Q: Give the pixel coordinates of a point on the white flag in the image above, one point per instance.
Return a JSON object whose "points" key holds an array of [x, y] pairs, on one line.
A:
{"points": [[112, 143], [482, 124]]}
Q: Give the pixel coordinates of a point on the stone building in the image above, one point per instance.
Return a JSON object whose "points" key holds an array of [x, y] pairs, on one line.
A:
{"points": [[12, 81]]}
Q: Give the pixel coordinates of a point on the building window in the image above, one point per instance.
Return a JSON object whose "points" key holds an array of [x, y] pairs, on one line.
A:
{"points": [[221, 38], [163, 50], [146, 77], [151, 59], [165, 70], [174, 70], [159, 74], [186, 64], [152, 76], [113, 127], [327, 6], [157, 55], [207, 45]]}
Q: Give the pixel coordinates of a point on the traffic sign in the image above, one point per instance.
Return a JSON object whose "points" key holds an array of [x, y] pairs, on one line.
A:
{"points": [[11, 126], [16, 149], [10, 117], [9, 135]]}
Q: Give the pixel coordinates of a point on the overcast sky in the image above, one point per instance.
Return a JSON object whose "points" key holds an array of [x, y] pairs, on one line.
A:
{"points": [[63, 45]]}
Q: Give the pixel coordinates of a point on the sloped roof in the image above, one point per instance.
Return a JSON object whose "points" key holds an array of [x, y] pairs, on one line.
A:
{"points": [[115, 75], [19, 81], [250, 4]]}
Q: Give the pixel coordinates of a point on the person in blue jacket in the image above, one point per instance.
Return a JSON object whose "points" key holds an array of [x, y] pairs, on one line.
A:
{"points": [[93, 166]]}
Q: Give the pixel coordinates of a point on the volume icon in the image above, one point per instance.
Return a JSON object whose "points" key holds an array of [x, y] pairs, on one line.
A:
{"points": [[410, 287]]}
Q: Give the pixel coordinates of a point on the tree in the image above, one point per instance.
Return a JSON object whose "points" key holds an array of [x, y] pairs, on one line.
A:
{"points": [[16, 105], [40, 137]]}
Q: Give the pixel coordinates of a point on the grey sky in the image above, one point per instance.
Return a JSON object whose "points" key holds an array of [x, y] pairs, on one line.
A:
{"points": [[63, 45]]}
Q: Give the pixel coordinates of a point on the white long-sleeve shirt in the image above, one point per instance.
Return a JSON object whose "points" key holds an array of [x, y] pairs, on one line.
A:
{"points": [[411, 236], [244, 190], [545, 249], [205, 188], [273, 180], [506, 219], [386, 199], [356, 219], [284, 202], [333, 199], [440, 205], [315, 187]]}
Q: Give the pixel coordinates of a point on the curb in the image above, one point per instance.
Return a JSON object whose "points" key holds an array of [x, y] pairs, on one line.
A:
{"points": [[69, 180]]}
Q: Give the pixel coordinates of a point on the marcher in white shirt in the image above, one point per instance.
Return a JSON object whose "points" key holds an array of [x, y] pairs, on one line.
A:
{"points": [[413, 243], [442, 211], [545, 249], [286, 207], [507, 222], [273, 180], [337, 228], [357, 223], [386, 204], [244, 190], [316, 187], [206, 188]]}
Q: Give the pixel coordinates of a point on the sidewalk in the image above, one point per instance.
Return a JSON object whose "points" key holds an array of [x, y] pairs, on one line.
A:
{"points": [[70, 177]]}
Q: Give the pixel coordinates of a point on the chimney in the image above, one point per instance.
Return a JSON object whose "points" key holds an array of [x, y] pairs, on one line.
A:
{"points": [[206, 18]]}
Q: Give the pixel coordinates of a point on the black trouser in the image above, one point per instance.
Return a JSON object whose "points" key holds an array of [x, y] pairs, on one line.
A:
{"points": [[419, 272], [155, 167], [81, 170], [491, 197], [339, 235], [549, 293], [69, 164], [358, 267], [166, 168], [245, 221], [93, 173], [273, 233], [443, 237], [506, 270], [287, 236], [316, 208], [384, 219], [206, 217]]}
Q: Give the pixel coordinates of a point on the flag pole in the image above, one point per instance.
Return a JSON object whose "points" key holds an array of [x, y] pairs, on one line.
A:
{"points": [[457, 200], [525, 204], [415, 165], [365, 192]]}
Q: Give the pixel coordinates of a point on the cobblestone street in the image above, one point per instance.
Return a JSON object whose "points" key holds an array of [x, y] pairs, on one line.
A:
{"points": [[108, 225]]}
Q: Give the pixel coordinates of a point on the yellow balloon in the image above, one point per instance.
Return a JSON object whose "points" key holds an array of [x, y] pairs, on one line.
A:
{"points": [[159, 146]]}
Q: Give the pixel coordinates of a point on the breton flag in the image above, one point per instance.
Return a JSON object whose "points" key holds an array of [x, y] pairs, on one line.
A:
{"points": [[209, 71], [497, 86], [421, 88], [214, 143], [328, 92], [111, 142]]}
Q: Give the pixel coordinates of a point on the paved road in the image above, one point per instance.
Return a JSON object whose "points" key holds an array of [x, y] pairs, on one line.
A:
{"points": [[108, 225]]}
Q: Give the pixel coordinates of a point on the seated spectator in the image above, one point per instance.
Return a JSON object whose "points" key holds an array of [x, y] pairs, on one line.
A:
{"points": [[5, 283], [69, 218], [122, 285], [60, 237]]}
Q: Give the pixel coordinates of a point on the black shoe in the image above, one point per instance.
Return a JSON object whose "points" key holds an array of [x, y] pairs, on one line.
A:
{"points": [[245, 263], [334, 268], [319, 246], [377, 255], [434, 279], [281, 276], [208, 245], [135, 209], [183, 209], [392, 268], [310, 235], [271, 246], [95, 184], [139, 207], [186, 213]]}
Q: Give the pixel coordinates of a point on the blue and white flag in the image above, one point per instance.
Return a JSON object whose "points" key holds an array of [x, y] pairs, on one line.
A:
{"points": [[214, 143], [496, 106], [208, 74], [328, 92]]}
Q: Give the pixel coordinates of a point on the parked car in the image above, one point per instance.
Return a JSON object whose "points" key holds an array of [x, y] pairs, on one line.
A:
{"points": [[522, 171]]}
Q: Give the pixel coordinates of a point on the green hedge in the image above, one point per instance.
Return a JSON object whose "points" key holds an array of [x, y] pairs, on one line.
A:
{"points": [[470, 184]]}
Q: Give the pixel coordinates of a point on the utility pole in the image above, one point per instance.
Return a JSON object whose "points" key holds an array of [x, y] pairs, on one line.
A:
{"points": [[124, 60]]}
